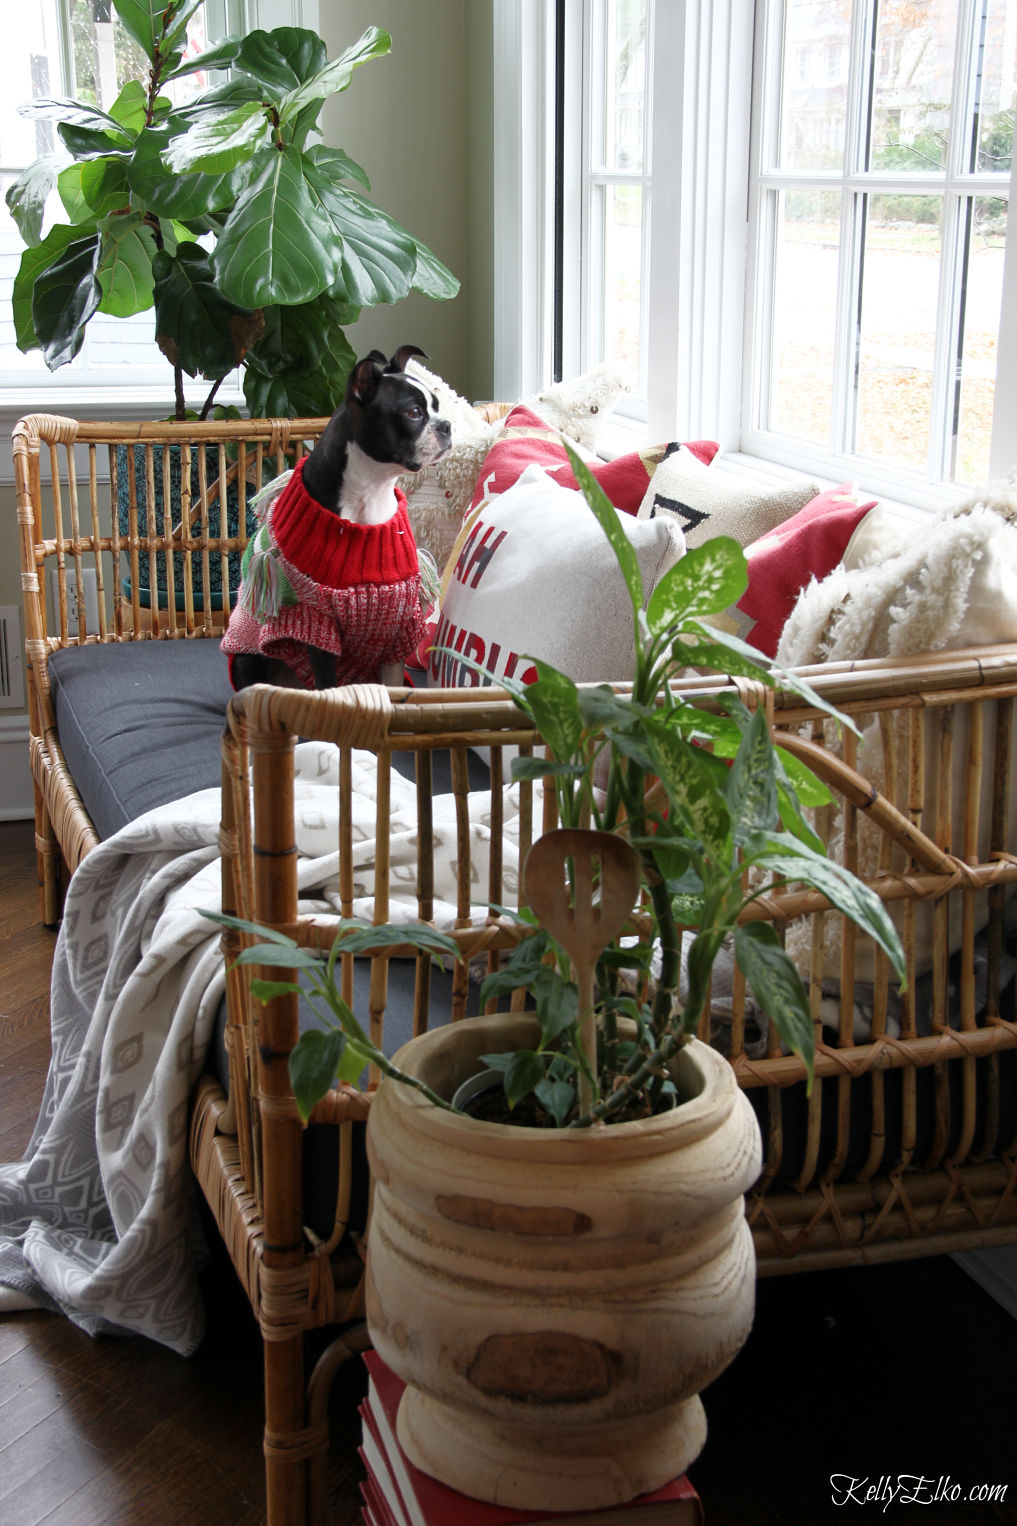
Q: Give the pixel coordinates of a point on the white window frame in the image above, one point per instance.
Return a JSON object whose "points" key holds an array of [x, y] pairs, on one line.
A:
{"points": [[699, 103], [701, 355], [86, 397], [907, 486]]}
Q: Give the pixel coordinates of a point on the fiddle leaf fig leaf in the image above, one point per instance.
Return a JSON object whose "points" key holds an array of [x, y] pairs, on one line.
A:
{"points": [[130, 108], [211, 103], [313, 395], [125, 265], [778, 987], [59, 108], [90, 188], [195, 326], [34, 261], [26, 198], [336, 75], [295, 339], [281, 60], [183, 197], [277, 245], [221, 56], [87, 143], [431, 277], [144, 20], [66, 294], [337, 165], [376, 258], [175, 34], [220, 144]]}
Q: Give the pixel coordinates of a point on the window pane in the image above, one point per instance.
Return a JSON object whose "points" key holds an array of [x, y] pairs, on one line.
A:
{"points": [[817, 37], [623, 261], [103, 57], [997, 87], [29, 65], [625, 82], [900, 287], [804, 314], [913, 84], [980, 339]]}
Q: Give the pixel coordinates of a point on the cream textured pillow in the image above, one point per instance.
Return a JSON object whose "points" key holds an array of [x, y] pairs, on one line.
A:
{"points": [[706, 501], [439, 496], [536, 577]]}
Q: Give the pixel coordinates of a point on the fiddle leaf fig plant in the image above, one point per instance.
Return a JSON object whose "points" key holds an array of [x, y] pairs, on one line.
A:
{"points": [[714, 808], [225, 214]]}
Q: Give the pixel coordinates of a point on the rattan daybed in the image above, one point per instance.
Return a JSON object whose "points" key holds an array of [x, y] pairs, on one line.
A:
{"points": [[907, 1144]]}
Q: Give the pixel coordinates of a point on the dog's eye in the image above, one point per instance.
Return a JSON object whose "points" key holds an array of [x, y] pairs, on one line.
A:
{"points": [[414, 411]]}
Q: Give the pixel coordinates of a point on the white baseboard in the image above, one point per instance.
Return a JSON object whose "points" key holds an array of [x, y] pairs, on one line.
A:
{"points": [[17, 799], [994, 1270]]}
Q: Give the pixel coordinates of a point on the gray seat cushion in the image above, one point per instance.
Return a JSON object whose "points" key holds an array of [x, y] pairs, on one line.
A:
{"points": [[139, 723]]}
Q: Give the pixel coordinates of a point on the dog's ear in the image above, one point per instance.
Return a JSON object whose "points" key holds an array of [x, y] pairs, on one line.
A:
{"points": [[364, 378], [402, 355]]}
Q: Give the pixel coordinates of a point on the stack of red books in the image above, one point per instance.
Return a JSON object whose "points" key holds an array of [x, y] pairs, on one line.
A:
{"points": [[396, 1493]]}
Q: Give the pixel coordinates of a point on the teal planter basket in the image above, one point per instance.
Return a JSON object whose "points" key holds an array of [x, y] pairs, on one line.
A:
{"points": [[180, 509]]}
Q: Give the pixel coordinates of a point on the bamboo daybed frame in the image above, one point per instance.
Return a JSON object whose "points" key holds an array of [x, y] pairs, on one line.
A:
{"points": [[908, 1143]]}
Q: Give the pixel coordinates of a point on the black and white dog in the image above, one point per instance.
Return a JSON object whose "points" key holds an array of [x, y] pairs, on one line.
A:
{"points": [[331, 584]]}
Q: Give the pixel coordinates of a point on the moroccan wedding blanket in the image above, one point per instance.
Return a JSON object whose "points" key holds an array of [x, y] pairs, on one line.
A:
{"points": [[99, 1218]]}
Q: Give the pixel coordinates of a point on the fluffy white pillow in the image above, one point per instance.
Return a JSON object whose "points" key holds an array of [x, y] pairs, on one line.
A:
{"points": [[536, 577], [950, 586]]}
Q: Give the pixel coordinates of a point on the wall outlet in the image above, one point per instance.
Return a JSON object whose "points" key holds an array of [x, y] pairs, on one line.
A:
{"points": [[91, 594], [12, 661]]}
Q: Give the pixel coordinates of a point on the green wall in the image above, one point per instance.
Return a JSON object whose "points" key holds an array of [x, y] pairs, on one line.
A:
{"points": [[419, 122]]}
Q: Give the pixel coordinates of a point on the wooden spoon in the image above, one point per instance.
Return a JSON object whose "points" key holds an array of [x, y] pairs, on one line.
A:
{"points": [[583, 910]]}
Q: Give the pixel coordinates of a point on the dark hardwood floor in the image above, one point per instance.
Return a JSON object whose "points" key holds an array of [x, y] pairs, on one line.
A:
{"points": [[870, 1373], [96, 1431]]}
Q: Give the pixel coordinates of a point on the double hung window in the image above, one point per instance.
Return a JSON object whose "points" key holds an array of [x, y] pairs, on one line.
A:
{"points": [[788, 223], [880, 204]]}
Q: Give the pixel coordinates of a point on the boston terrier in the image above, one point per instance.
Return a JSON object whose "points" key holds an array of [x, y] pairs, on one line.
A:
{"points": [[330, 590]]}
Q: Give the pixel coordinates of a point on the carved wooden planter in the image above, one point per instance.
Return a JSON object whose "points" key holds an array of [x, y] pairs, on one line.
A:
{"points": [[556, 1299]]}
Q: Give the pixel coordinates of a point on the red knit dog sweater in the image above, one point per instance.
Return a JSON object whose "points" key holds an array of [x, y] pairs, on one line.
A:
{"points": [[310, 577]]}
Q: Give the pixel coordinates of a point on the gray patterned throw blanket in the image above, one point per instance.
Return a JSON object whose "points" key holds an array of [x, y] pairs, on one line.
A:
{"points": [[99, 1219]]}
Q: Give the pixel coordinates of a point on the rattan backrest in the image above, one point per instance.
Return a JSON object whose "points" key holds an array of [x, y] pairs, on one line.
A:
{"points": [[131, 514], [924, 859]]}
